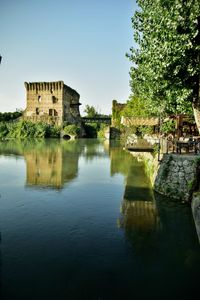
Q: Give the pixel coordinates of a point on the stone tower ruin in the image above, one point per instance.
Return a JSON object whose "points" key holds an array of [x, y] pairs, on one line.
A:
{"points": [[51, 102]]}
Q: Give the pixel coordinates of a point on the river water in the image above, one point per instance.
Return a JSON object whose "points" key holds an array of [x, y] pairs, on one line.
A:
{"points": [[79, 220]]}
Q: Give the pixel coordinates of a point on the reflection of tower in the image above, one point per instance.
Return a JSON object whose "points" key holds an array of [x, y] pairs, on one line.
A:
{"points": [[44, 167], [52, 164]]}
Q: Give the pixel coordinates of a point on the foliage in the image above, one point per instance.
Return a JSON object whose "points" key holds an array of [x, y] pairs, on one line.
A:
{"points": [[10, 116], [72, 129], [101, 131], [91, 130], [139, 131], [168, 126], [117, 109], [53, 131], [26, 129], [90, 111], [165, 71], [4, 130], [94, 130], [135, 107]]}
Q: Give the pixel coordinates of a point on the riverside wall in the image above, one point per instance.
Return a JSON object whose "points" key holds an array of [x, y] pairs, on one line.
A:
{"points": [[175, 176]]}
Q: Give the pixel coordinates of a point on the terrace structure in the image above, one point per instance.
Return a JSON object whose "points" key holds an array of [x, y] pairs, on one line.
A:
{"points": [[52, 103]]}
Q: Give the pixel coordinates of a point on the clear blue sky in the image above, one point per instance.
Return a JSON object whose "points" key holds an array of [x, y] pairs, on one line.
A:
{"points": [[82, 42]]}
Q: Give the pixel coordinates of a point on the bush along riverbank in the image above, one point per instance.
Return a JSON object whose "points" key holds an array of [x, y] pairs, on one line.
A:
{"points": [[27, 129]]}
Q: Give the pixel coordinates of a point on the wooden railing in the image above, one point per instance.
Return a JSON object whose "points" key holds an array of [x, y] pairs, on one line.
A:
{"points": [[165, 145]]}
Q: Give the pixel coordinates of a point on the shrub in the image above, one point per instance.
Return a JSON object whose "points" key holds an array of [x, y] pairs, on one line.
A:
{"points": [[168, 126], [27, 129], [72, 129]]}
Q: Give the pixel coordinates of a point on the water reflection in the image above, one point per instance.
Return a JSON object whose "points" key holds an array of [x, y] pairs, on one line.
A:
{"points": [[138, 207], [139, 216], [159, 231], [53, 163], [67, 244]]}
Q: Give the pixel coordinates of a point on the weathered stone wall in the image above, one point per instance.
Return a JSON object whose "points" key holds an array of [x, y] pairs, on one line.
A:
{"points": [[51, 101], [71, 104], [43, 97], [177, 176], [114, 133]]}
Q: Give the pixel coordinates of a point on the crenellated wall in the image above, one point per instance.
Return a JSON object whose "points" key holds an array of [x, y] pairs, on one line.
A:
{"points": [[44, 86], [51, 102]]}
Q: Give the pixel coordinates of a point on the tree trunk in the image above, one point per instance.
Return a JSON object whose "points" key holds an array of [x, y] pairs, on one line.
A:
{"points": [[196, 90], [196, 105], [196, 110]]}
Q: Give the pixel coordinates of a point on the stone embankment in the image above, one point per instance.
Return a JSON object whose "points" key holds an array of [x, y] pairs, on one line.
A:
{"points": [[177, 176]]}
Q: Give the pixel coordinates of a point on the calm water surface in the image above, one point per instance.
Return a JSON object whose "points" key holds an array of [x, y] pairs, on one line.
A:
{"points": [[78, 220]]}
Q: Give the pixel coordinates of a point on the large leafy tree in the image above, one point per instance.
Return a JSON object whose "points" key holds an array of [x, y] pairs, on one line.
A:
{"points": [[135, 107], [90, 111], [166, 63]]}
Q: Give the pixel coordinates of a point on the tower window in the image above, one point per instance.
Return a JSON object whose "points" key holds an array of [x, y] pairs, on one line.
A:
{"points": [[53, 112], [54, 99], [39, 98], [37, 111]]}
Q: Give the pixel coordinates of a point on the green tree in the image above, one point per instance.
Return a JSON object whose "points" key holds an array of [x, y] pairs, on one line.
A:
{"points": [[135, 107], [10, 116], [90, 111], [166, 63]]}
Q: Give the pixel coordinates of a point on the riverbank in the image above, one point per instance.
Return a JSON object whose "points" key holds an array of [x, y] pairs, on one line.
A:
{"points": [[177, 177]]}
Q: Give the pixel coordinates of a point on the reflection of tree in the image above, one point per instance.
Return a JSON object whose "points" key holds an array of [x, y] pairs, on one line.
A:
{"points": [[138, 209], [160, 232], [120, 160]]}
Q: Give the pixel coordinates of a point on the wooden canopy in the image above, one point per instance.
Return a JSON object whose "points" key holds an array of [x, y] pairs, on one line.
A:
{"points": [[137, 121]]}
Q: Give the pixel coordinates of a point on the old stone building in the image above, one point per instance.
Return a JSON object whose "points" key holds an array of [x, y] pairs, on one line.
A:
{"points": [[52, 102]]}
